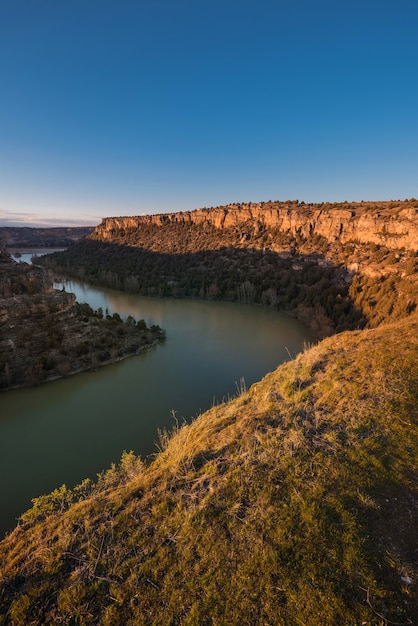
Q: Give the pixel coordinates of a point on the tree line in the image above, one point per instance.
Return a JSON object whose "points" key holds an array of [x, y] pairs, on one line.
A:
{"points": [[308, 277]]}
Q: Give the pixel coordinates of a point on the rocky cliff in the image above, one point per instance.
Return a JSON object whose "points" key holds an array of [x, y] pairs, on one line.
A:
{"points": [[393, 224]]}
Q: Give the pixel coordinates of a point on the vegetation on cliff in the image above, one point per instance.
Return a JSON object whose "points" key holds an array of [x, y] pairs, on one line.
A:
{"points": [[392, 224], [295, 503], [329, 285], [46, 334]]}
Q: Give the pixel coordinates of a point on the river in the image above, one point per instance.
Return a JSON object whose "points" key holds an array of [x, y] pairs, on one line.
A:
{"points": [[70, 429]]}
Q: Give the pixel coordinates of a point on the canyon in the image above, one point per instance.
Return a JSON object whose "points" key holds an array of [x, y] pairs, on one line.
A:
{"points": [[333, 266], [294, 502]]}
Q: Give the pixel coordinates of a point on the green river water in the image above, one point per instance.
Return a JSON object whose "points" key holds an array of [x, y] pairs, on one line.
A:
{"points": [[70, 429]]}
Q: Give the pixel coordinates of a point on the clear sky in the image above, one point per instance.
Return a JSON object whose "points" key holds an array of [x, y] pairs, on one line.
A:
{"points": [[123, 107]]}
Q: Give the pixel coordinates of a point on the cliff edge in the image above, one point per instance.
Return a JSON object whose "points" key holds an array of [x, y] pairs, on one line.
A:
{"points": [[392, 224]]}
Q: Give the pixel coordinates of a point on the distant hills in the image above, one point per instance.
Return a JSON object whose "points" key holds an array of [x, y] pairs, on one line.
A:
{"points": [[26, 237]]}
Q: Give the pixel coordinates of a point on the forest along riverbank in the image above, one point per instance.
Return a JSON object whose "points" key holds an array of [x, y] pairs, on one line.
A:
{"points": [[70, 429], [46, 334]]}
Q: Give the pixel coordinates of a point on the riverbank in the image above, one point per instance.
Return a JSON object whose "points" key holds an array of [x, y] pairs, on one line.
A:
{"points": [[46, 335], [92, 368]]}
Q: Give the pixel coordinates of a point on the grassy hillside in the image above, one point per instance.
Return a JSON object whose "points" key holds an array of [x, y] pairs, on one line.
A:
{"points": [[295, 503]]}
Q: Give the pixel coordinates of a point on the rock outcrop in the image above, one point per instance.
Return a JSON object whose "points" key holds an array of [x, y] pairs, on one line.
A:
{"points": [[27, 290], [392, 224]]}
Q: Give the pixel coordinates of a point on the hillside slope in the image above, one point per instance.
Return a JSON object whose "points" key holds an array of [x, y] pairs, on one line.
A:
{"points": [[295, 503]]}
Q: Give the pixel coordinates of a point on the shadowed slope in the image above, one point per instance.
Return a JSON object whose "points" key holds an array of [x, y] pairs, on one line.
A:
{"points": [[329, 280]]}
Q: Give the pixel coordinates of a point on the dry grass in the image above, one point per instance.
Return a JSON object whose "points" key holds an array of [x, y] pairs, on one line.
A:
{"points": [[294, 503]]}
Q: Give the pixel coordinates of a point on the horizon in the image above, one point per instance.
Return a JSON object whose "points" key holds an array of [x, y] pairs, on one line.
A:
{"points": [[64, 224], [144, 108]]}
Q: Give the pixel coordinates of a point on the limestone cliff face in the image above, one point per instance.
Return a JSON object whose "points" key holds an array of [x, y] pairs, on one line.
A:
{"points": [[394, 225]]}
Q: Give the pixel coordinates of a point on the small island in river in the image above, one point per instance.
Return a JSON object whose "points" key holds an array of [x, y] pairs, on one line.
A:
{"points": [[45, 334]]}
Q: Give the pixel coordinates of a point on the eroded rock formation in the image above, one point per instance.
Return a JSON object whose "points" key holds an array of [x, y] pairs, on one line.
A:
{"points": [[393, 224]]}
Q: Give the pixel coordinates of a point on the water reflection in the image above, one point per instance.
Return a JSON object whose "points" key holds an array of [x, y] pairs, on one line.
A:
{"points": [[67, 430]]}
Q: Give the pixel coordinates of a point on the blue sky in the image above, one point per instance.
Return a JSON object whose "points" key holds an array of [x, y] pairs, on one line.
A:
{"points": [[126, 107]]}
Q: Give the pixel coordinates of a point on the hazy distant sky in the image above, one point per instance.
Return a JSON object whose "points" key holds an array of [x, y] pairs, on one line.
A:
{"points": [[126, 107]]}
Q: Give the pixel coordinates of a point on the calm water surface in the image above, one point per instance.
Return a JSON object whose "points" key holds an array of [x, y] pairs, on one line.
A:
{"points": [[70, 429]]}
